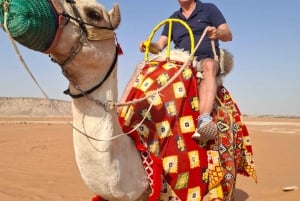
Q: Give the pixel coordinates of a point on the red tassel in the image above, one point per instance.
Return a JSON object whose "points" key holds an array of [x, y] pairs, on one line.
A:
{"points": [[96, 198], [120, 51]]}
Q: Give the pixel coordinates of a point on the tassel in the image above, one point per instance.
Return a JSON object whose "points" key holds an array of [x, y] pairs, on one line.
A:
{"points": [[96, 198], [120, 51]]}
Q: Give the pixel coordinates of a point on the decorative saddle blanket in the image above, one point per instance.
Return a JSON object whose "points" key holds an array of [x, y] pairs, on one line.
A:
{"points": [[178, 168]]}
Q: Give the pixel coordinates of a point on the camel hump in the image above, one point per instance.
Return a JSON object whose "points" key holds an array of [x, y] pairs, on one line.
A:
{"points": [[226, 61]]}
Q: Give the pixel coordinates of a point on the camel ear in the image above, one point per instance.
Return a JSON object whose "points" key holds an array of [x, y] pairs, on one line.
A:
{"points": [[115, 16]]}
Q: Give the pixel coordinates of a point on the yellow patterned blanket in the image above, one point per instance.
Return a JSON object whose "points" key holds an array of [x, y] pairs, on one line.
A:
{"points": [[178, 168]]}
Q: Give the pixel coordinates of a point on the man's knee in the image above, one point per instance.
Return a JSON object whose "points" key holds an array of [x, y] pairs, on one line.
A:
{"points": [[209, 66]]}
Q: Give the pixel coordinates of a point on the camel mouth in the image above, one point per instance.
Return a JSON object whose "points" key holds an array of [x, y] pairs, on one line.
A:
{"points": [[32, 23]]}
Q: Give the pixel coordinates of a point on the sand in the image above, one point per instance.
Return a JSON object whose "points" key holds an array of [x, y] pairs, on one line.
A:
{"points": [[38, 164]]}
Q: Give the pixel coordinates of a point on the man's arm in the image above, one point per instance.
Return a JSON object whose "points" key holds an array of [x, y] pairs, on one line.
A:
{"points": [[155, 47], [222, 32]]}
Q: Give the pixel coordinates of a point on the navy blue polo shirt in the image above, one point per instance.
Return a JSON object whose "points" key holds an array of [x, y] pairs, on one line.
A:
{"points": [[205, 14]]}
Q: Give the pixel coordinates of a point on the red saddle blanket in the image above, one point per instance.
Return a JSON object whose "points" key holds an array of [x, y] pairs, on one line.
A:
{"points": [[178, 168]]}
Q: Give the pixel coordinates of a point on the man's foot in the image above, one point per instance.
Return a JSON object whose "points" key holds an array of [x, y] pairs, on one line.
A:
{"points": [[206, 131]]}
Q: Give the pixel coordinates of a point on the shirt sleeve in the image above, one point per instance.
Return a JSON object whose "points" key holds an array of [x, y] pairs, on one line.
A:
{"points": [[165, 30]]}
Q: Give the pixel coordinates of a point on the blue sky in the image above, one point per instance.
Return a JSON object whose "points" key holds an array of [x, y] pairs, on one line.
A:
{"points": [[266, 49]]}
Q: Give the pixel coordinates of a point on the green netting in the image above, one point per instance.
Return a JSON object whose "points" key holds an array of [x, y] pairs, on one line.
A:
{"points": [[33, 23]]}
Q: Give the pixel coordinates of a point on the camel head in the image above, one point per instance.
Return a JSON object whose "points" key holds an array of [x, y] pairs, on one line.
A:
{"points": [[38, 24], [70, 31]]}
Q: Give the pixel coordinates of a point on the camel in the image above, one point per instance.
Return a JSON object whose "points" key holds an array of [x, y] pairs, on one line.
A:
{"points": [[79, 36], [107, 167]]}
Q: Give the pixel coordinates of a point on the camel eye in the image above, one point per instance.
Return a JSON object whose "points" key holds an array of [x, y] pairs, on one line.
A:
{"points": [[94, 15]]}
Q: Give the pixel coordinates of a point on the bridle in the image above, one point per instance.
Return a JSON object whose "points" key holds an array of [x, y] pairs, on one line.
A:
{"points": [[108, 105], [94, 33]]}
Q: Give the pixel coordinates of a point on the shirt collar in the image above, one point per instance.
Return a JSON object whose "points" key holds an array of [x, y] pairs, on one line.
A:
{"points": [[198, 8]]}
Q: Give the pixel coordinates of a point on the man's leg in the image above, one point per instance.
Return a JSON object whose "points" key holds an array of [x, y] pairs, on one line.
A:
{"points": [[207, 129]]}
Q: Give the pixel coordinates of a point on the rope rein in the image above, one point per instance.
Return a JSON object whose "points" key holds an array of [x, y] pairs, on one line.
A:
{"points": [[6, 6]]}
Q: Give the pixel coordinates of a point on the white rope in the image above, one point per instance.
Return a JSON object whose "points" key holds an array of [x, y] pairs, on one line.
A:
{"points": [[121, 134], [6, 5], [19, 55]]}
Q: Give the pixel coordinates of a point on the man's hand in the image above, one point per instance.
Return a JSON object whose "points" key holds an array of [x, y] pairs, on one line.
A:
{"points": [[153, 48], [222, 33], [212, 33], [142, 46]]}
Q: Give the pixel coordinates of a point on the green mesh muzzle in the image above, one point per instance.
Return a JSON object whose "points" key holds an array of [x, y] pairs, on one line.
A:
{"points": [[33, 23]]}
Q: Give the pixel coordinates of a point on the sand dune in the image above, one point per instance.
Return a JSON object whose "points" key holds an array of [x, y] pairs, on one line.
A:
{"points": [[34, 107]]}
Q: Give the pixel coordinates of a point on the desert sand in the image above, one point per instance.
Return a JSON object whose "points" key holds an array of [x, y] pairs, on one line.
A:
{"points": [[38, 164]]}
